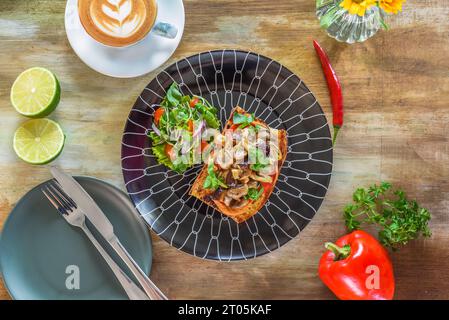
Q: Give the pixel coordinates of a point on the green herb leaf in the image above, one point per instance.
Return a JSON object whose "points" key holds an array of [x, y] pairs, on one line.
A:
{"points": [[399, 219], [174, 96], [208, 115], [212, 181], [254, 194], [243, 119]]}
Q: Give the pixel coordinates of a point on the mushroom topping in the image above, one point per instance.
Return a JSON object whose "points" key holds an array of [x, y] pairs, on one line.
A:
{"points": [[224, 159], [227, 201], [245, 175], [219, 194], [229, 179], [239, 152], [238, 192], [236, 173], [266, 179], [253, 184]]}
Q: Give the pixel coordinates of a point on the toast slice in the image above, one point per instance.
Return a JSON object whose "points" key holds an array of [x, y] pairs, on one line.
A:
{"points": [[258, 188]]}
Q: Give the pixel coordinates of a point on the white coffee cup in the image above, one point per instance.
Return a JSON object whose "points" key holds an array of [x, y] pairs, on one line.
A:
{"points": [[159, 28]]}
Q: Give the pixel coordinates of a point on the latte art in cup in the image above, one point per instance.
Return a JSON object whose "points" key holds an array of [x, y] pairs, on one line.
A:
{"points": [[117, 23]]}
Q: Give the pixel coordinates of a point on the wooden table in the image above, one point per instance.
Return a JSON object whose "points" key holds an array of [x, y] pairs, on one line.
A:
{"points": [[396, 89]]}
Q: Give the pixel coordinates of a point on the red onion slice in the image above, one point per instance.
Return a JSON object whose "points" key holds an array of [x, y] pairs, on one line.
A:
{"points": [[156, 130]]}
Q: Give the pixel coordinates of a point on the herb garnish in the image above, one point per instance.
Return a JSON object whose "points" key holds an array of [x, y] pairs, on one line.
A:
{"points": [[212, 181], [399, 219], [243, 119], [254, 194]]}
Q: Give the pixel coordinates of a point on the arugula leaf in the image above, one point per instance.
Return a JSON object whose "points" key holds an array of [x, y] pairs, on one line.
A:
{"points": [[254, 194], [399, 219], [243, 119], [173, 96], [208, 115], [212, 181]]}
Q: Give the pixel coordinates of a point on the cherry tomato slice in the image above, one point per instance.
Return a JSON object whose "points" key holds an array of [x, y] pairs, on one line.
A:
{"points": [[204, 145], [169, 151], [267, 185], [190, 125], [194, 102], [158, 114]]}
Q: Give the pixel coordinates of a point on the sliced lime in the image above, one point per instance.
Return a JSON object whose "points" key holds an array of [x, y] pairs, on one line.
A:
{"points": [[38, 141], [35, 93]]}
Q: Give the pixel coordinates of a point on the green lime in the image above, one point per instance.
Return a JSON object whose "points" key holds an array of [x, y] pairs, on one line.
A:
{"points": [[38, 141], [35, 93]]}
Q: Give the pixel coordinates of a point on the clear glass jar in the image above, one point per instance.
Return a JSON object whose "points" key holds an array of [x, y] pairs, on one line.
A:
{"points": [[346, 27]]}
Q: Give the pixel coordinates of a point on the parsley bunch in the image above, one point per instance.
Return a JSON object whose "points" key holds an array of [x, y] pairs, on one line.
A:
{"points": [[399, 219]]}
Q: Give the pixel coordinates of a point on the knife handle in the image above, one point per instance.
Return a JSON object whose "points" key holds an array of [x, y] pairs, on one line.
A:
{"points": [[153, 292]]}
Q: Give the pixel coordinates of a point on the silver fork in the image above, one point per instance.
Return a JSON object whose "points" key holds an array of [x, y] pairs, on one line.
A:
{"points": [[74, 216]]}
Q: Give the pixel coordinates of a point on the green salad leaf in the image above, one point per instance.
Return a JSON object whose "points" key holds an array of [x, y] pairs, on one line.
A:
{"points": [[209, 114], [158, 149], [173, 96]]}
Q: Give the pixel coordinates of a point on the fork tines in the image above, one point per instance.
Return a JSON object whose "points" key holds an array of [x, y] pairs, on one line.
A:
{"points": [[58, 198]]}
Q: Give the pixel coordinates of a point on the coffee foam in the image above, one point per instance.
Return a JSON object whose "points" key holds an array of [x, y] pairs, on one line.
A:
{"points": [[117, 22]]}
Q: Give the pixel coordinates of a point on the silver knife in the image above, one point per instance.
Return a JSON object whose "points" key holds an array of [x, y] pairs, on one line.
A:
{"points": [[105, 228]]}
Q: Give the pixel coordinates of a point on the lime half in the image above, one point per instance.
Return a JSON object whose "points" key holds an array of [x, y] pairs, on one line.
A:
{"points": [[38, 141], [35, 93]]}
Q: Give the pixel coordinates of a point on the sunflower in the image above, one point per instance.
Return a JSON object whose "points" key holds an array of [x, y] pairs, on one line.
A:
{"points": [[391, 6], [359, 6]]}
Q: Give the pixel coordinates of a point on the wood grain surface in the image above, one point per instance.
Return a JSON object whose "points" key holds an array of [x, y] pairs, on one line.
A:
{"points": [[396, 88]]}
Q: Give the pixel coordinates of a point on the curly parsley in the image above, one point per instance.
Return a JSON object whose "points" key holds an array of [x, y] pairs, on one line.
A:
{"points": [[399, 219]]}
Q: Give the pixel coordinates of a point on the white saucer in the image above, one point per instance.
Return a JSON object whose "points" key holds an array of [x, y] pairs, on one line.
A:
{"points": [[129, 62]]}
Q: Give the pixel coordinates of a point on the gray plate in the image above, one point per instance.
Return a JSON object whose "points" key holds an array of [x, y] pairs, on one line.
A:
{"points": [[37, 246]]}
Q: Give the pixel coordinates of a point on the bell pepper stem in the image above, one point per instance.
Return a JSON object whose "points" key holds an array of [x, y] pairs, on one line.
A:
{"points": [[340, 252], [336, 130]]}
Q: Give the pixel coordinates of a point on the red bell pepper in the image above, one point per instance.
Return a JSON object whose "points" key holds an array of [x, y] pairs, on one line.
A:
{"points": [[357, 267]]}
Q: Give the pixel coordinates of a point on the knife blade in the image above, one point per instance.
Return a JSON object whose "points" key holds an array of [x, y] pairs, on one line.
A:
{"points": [[84, 201]]}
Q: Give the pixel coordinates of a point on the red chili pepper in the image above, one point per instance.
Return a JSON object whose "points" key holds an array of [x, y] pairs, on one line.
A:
{"points": [[357, 267], [334, 89]]}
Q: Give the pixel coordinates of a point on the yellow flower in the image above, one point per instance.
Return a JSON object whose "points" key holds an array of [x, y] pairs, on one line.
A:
{"points": [[358, 6], [391, 6]]}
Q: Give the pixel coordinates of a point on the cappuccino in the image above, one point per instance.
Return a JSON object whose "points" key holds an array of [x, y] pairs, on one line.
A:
{"points": [[117, 23]]}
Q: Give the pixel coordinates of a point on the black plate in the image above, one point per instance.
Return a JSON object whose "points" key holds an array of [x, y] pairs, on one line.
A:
{"points": [[260, 85]]}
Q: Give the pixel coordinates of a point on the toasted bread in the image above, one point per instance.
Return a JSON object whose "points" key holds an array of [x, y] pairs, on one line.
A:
{"points": [[246, 212]]}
